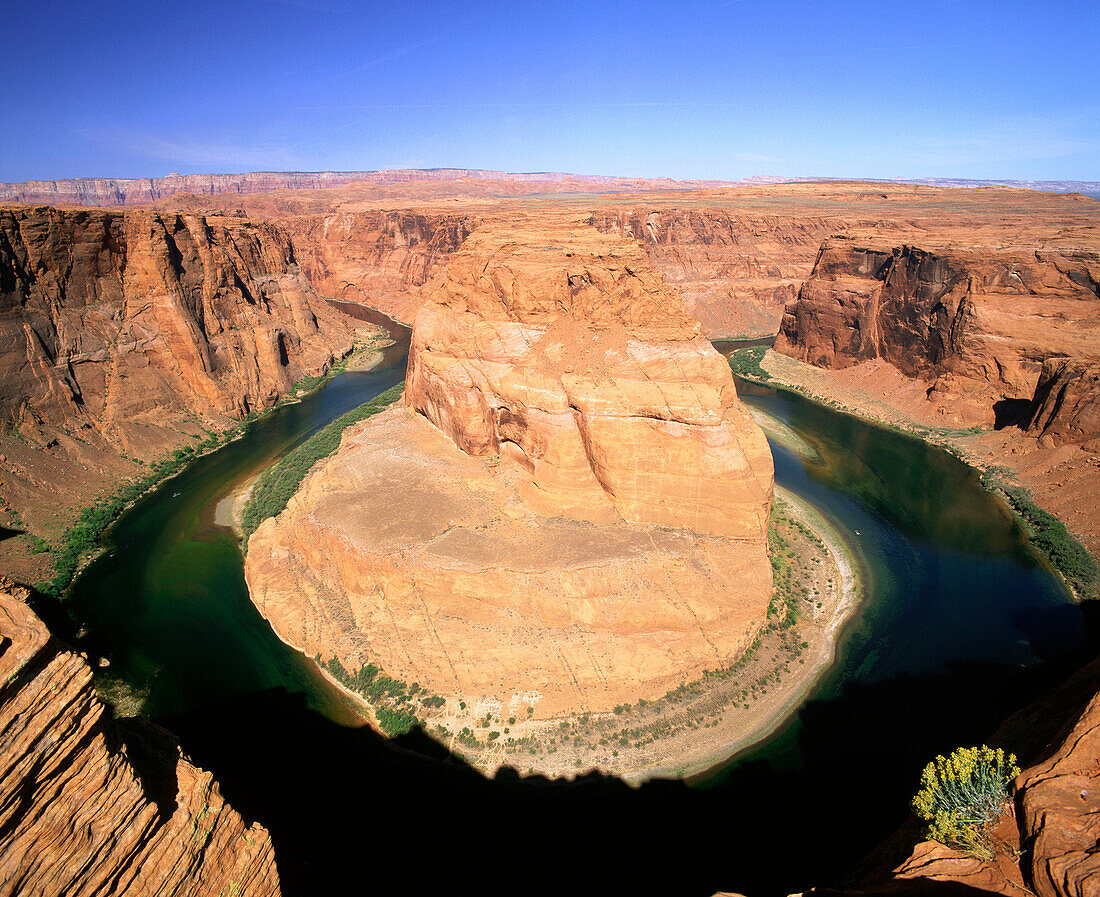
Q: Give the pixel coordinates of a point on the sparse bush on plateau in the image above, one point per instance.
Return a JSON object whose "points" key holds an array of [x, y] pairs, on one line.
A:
{"points": [[962, 794]]}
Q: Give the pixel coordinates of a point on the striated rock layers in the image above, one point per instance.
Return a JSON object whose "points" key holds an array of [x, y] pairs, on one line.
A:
{"points": [[976, 322], [377, 258], [121, 334], [89, 808], [735, 269], [570, 512]]}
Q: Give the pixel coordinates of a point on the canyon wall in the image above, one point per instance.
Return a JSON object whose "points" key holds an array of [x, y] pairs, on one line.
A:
{"points": [[979, 321], [734, 270], [123, 334], [88, 806], [379, 258], [570, 512]]}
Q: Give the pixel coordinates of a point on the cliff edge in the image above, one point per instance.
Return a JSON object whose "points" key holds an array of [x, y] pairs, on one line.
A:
{"points": [[89, 807]]}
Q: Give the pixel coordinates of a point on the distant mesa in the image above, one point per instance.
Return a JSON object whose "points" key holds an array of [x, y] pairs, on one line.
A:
{"points": [[93, 191]]}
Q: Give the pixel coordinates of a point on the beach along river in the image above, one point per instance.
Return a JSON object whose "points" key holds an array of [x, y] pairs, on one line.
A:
{"points": [[956, 615]]}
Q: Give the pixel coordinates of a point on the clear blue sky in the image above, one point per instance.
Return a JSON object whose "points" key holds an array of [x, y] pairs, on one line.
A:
{"points": [[687, 90]]}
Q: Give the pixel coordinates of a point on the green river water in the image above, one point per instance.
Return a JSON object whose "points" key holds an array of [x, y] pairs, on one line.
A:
{"points": [[958, 611]]}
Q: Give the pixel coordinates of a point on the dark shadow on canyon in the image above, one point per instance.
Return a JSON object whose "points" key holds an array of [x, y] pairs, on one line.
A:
{"points": [[8, 533], [1010, 412], [344, 803]]}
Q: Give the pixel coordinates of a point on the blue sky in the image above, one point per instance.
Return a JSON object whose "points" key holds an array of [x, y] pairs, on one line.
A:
{"points": [[685, 90]]}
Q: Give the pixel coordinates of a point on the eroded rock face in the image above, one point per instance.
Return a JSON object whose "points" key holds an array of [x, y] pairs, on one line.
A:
{"points": [[977, 319], [563, 350], [570, 512], [109, 315], [122, 334], [1066, 406], [736, 270], [76, 819], [378, 258]]}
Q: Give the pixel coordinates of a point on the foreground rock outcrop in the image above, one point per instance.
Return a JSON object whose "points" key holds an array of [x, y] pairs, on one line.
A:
{"points": [[571, 511], [87, 807], [977, 323]]}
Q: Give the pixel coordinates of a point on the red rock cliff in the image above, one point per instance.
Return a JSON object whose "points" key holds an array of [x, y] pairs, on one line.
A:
{"points": [[121, 334], [377, 258], [77, 818], [734, 268], [982, 319]]}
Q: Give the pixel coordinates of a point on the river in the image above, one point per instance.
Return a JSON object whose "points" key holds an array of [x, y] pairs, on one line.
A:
{"points": [[957, 615]]}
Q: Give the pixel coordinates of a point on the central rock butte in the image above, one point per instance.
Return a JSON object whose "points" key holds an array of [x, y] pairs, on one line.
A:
{"points": [[570, 511]]}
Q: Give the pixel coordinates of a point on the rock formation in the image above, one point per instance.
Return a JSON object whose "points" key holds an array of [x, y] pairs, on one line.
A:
{"points": [[973, 320], [89, 807], [122, 334], [1066, 406], [377, 258], [584, 520], [734, 269]]}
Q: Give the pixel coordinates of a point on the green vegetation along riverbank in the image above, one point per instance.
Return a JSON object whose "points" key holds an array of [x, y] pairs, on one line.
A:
{"points": [[1048, 535], [279, 482], [81, 541]]}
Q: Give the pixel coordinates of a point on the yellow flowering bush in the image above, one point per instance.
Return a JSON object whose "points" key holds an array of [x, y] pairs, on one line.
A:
{"points": [[962, 793]]}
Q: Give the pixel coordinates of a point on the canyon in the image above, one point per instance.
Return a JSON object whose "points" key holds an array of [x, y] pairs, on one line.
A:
{"points": [[555, 547], [125, 336], [561, 401]]}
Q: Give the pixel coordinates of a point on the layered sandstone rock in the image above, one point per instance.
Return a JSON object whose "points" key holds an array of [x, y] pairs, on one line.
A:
{"points": [[377, 258], [735, 269], [88, 808], [562, 349], [976, 320], [584, 520], [122, 334], [1066, 406]]}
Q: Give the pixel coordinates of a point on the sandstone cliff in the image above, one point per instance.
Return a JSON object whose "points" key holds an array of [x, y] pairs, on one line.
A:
{"points": [[121, 334], [87, 807], [735, 269], [377, 258], [582, 523], [978, 322]]}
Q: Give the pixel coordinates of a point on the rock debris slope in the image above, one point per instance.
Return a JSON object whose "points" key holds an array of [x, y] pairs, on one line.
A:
{"points": [[87, 808], [570, 512]]}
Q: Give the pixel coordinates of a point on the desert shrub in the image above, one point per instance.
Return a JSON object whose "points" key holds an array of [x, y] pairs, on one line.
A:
{"points": [[746, 363], [964, 792]]}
